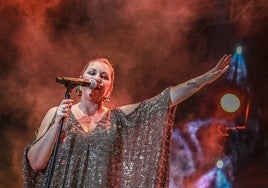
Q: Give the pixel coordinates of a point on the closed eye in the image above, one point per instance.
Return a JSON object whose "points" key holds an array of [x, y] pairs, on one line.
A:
{"points": [[105, 76], [92, 72]]}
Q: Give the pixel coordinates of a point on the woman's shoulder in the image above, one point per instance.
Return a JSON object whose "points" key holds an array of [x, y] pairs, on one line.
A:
{"points": [[46, 121], [50, 114], [52, 111], [128, 109]]}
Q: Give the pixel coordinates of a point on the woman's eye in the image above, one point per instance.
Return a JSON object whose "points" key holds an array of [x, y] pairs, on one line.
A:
{"points": [[92, 72], [105, 76]]}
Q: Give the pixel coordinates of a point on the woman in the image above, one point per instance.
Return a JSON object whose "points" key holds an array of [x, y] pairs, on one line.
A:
{"points": [[100, 147]]}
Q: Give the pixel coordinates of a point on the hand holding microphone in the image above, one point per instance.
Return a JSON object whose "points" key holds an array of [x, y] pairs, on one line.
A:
{"points": [[65, 106]]}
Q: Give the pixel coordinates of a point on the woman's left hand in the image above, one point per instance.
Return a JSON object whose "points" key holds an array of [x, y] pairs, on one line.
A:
{"points": [[221, 67]]}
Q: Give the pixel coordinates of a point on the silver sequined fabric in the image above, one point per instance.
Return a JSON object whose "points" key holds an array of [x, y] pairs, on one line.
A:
{"points": [[124, 150]]}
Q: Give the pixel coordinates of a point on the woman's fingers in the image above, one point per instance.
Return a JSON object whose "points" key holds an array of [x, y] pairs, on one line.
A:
{"points": [[64, 107], [226, 59], [66, 101], [223, 63]]}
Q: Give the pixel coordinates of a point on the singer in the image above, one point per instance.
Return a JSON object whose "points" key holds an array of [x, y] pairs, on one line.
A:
{"points": [[99, 147]]}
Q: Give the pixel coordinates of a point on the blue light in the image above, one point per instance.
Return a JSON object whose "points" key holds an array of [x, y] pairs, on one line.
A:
{"points": [[237, 73], [214, 178], [222, 180]]}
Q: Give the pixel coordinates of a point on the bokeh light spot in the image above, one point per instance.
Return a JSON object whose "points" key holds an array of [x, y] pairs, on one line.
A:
{"points": [[230, 102]]}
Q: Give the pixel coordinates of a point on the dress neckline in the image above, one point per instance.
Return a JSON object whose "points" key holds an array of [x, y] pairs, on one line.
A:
{"points": [[98, 123]]}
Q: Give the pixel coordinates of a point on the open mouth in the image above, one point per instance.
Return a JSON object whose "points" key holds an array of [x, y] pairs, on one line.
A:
{"points": [[99, 87]]}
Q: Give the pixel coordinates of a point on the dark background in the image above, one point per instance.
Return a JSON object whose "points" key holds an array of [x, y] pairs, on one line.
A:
{"points": [[152, 44]]}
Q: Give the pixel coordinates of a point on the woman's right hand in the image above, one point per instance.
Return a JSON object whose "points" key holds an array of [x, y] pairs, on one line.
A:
{"points": [[64, 109]]}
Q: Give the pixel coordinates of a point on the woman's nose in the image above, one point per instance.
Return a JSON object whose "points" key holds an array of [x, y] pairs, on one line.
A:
{"points": [[98, 80]]}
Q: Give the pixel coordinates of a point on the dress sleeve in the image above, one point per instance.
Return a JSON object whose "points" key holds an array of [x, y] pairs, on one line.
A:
{"points": [[30, 176], [155, 110], [146, 140]]}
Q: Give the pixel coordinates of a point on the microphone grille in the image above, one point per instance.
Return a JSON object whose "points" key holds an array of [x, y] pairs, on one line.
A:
{"points": [[93, 84]]}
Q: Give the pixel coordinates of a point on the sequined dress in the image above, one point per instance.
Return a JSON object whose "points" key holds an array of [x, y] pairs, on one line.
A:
{"points": [[124, 150]]}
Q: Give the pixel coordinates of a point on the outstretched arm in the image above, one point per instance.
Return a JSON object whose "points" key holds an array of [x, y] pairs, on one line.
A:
{"points": [[186, 89]]}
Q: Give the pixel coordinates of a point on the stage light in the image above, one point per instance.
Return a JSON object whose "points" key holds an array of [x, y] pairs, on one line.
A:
{"points": [[239, 50], [220, 164], [230, 102], [237, 74]]}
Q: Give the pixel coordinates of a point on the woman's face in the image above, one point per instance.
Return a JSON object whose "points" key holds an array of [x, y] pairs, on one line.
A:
{"points": [[102, 73]]}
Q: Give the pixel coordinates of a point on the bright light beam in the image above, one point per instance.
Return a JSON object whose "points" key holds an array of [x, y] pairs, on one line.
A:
{"points": [[237, 73], [222, 180]]}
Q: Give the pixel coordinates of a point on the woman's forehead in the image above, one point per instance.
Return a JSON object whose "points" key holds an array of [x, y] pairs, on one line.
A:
{"points": [[99, 65]]}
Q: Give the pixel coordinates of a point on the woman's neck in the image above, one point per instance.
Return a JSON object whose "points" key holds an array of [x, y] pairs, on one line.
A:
{"points": [[89, 108]]}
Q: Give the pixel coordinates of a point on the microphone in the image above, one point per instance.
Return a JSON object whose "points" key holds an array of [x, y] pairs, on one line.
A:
{"points": [[92, 84]]}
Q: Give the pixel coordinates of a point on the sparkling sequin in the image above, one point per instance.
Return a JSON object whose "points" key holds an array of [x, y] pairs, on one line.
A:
{"points": [[124, 150]]}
